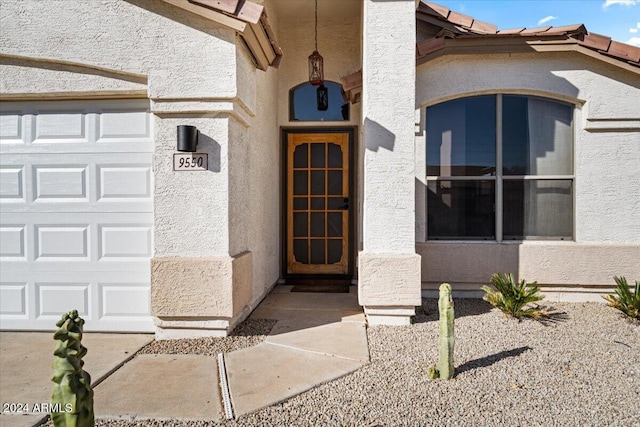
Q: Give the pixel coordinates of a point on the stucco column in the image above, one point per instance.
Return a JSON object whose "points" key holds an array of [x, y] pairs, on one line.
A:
{"points": [[202, 271], [389, 268]]}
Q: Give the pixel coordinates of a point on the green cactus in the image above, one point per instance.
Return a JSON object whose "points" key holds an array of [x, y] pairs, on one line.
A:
{"points": [[72, 398], [444, 369]]}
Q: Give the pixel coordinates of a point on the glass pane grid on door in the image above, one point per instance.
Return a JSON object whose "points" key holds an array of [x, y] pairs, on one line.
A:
{"points": [[318, 206], [317, 215]]}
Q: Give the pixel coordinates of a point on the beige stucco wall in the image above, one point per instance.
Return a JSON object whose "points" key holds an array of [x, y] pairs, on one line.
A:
{"points": [[255, 175], [195, 72], [131, 36], [607, 152], [57, 80], [388, 267], [205, 287], [339, 45]]}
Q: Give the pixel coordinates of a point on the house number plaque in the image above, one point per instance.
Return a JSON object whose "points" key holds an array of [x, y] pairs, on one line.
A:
{"points": [[190, 162]]}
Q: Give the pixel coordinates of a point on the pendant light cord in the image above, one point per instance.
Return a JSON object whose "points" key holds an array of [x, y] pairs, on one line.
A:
{"points": [[316, 26]]}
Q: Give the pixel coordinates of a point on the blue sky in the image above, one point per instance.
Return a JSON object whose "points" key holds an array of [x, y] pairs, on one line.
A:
{"points": [[618, 19]]}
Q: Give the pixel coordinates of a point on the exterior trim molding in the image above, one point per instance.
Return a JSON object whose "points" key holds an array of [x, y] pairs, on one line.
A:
{"points": [[233, 107], [62, 65], [612, 125]]}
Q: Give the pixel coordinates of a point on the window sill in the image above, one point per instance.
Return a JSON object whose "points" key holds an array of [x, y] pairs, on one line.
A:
{"points": [[493, 242]]}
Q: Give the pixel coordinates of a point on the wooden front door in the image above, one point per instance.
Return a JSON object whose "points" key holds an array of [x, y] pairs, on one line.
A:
{"points": [[318, 203]]}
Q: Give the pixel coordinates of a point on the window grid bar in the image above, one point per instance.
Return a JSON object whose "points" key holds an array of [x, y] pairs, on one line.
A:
{"points": [[326, 191], [537, 177], [461, 178], [499, 199], [309, 203], [493, 178]]}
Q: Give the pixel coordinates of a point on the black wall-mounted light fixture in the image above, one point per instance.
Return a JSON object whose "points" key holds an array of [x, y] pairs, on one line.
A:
{"points": [[187, 138]]}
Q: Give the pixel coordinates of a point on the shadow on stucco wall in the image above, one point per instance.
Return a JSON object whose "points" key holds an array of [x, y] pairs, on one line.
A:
{"points": [[377, 136], [176, 14], [211, 146]]}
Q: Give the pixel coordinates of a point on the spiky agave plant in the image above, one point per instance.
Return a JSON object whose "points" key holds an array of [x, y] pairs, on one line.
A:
{"points": [[624, 300], [513, 298]]}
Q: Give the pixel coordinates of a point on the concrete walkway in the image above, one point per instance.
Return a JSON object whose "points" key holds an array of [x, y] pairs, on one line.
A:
{"points": [[318, 338], [25, 368]]}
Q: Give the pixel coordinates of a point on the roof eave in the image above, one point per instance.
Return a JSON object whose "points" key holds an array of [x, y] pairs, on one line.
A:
{"points": [[512, 44], [247, 19]]}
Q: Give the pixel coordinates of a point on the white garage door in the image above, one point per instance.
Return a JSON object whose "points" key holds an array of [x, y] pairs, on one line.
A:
{"points": [[76, 214]]}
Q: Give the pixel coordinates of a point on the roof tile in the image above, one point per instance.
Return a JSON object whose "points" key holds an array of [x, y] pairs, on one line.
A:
{"points": [[511, 31], [460, 19], [624, 51], [568, 29], [430, 45], [596, 41], [484, 27], [455, 25], [531, 31], [433, 9]]}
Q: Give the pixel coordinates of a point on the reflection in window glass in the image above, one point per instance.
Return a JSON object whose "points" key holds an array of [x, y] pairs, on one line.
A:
{"points": [[303, 105], [538, 209], [533, 194], [461, 210], [536, 136], [461, 137]]}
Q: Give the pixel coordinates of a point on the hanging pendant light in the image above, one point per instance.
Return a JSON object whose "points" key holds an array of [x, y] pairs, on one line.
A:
{"points": [[316, 68], [322, 98]]}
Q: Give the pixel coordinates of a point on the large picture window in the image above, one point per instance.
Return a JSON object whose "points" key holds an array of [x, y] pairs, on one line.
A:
{"points": [[500, 167]]}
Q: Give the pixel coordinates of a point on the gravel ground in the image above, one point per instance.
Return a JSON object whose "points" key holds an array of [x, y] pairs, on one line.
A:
{"points": [[246, 334], [583, 370]]}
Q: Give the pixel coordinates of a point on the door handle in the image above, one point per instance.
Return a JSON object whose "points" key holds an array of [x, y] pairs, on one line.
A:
{"points": [[345, 206]]}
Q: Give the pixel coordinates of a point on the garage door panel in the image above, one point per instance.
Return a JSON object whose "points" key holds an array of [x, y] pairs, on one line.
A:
{"points": [[11, 131], [13, 242], [131, 181], [104, 182], [76, 197], [61, 182], [12, 184], [53, 299], [76, 241], [118, 126], [65, 127], [13, 299], [126, 146], [106, 300], [50, 127], [125, 241], [124, 300], [62, 242]]}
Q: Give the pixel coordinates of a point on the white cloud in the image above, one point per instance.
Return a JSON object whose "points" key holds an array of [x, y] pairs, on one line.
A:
{"points": [[636, 29], [608, 3], [547, 19], [634, 41]]}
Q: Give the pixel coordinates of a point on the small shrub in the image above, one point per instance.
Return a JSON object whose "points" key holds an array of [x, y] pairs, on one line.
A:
{"points": [[514, 298], [624, 300]]}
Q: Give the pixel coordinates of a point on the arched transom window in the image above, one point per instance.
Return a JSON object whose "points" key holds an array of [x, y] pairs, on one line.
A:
{"points": [[318, 103]]}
